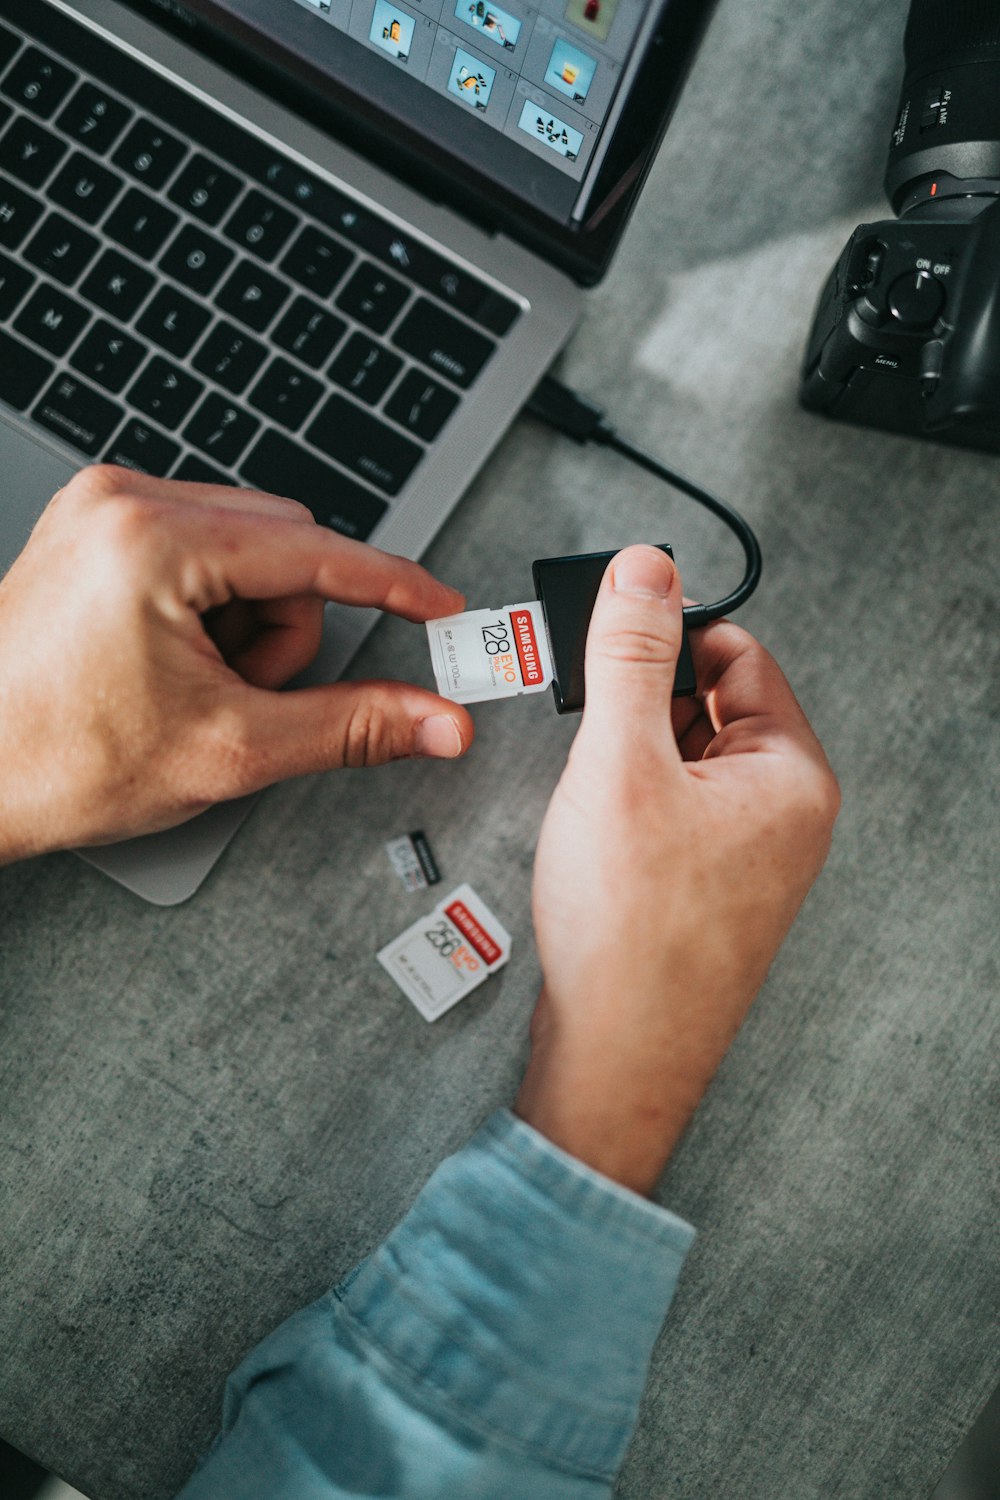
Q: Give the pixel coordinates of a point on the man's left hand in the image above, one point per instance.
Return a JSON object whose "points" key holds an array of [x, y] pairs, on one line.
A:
{"points": [[144, 632]]}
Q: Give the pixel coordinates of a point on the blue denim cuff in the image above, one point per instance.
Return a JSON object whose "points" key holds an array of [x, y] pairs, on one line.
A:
{"points": [[523, 1293]]}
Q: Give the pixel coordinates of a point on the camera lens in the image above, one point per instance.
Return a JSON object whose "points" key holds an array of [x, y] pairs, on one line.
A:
{"points": [[956, 29], [947, 135]]}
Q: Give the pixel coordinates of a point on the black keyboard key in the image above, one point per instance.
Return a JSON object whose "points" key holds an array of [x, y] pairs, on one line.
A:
{"points": [[38, 82], [365, 368], [140, 224], [260, 225], [386, 240], [15, 283], [285, 393], [421, 405], [196, 259], [347, 216], [85, 188], [108, 355], [94, 117], [316, 261], [433, 273], [165, 392], [252, 295], [29, 152], [79, 415], [204, 189], [440, 341], [23, 372], [309, 332], [221, 429], [173, 321], [302, 189], [118, 285], [495, 312], [149, 153], [280, 467], [62, 249], [372, 297], [5, 113], [230, 357], [196, 470], [9, 43], [139, 446], [51, 319], [364, 445], [19, 213]]}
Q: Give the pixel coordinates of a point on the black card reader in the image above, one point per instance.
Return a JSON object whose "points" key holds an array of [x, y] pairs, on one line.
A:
{"points": [[568, 588]]}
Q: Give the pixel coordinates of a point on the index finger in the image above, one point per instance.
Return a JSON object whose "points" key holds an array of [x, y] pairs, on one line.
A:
{"points": [[245, 555], [746, 694]]}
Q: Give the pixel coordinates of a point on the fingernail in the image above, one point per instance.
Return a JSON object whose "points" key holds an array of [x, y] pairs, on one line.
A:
{"points": [[438, 736], [644, 571]]}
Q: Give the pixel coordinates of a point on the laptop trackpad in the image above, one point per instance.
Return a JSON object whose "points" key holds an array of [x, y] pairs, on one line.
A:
{"points": [[168, 867], [31, 476]]}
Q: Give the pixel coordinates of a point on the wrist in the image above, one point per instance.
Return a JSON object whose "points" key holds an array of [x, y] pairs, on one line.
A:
{"points": [[35, 787], [621, 1115], [17, 842], [23, 831], [20, 834]]}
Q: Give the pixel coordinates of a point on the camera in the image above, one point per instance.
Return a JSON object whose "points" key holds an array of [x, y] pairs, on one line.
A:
{"points": [[907, 331]]}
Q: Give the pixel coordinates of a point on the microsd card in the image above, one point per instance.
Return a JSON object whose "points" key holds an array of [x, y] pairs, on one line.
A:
{"points": [[444, 956], [490, 653], [413, 860]]}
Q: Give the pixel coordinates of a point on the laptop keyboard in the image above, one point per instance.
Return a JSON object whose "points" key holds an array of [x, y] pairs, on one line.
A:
{"points": [[179, 298]]}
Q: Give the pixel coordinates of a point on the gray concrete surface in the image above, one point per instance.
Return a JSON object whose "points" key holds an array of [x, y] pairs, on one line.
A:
{"points": [[209, 1113]]}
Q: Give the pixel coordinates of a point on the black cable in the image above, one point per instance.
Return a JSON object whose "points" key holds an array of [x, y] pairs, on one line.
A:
{"points": [[578, 418]]}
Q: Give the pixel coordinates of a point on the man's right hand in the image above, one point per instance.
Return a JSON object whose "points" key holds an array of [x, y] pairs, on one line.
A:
{"points": [[676, 851]]}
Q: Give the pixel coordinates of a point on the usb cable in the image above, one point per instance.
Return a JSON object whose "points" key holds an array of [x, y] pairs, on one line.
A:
{"points": [[578, 418]]}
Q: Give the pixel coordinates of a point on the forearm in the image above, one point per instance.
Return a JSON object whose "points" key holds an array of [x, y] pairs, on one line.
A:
{"points": [[497, 1343]]}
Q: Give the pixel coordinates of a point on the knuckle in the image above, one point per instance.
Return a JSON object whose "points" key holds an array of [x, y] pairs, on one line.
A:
{"points": [[637, 644], [730, 644], [124, 516], [295, 509], [818, 803], [89, 486], [108, 479], [830, 799], [368, 735], [103, 481], [120, 532]]}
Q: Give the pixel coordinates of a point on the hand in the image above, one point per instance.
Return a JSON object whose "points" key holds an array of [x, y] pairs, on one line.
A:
{"points": [[144, 631], [676, 851]]}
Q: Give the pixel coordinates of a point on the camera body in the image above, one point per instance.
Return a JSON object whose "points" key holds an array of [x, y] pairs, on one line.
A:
{"points": [[907, 331]]}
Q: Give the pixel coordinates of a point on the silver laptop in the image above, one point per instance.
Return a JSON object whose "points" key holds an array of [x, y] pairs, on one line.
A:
{"points": [[324, 248]]}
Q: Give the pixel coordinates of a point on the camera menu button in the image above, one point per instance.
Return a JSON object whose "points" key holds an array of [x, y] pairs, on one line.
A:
{"points": [[916, 300]]}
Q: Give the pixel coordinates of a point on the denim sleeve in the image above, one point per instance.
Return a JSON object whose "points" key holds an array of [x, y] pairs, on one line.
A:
{"points": [[496, 1345]]}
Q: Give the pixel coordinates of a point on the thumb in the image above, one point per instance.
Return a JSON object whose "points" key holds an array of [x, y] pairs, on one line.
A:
{"points": [[344, 724], [632, 648]]}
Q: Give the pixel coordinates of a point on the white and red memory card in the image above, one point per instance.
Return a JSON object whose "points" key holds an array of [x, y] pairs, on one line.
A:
{"points": [[442, 957], [490, 653]]}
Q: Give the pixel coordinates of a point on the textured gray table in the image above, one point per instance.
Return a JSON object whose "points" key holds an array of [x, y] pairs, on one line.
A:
{"points": [[209, 1113]]}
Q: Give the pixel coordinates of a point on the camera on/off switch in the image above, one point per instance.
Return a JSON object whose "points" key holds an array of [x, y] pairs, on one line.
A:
{"points": [[916, 300]]}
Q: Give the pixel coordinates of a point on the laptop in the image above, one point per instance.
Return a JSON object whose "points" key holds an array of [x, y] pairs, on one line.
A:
{"points": [[323, 248]]}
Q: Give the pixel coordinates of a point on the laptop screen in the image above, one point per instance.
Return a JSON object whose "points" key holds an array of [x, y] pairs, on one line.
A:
{"points": [[538, 119], [526, 93]]}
